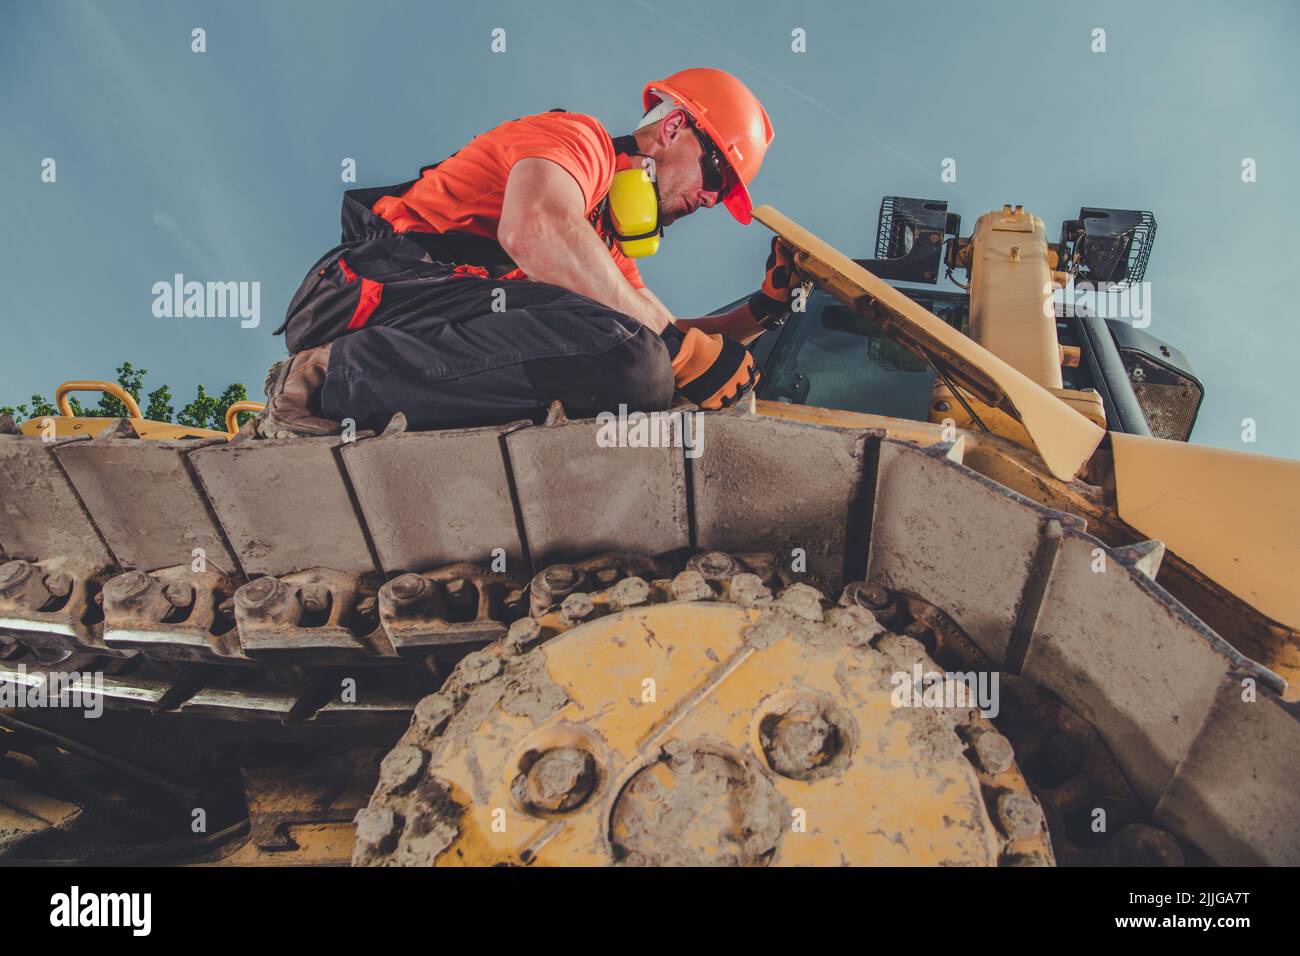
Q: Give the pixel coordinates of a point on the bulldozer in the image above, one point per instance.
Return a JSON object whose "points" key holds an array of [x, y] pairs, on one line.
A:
{"points": [[951, 588]]}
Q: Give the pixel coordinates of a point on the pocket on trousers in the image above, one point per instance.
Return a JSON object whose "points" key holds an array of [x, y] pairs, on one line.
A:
{"points": [[327, 305]]}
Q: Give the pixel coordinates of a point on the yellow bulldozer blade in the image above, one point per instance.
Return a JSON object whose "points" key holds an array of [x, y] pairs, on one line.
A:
{"points": [[1233, 515], [1063, 437]]}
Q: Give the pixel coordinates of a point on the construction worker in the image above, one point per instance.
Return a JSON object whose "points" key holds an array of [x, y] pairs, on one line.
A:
{"points": [[496, 283]]}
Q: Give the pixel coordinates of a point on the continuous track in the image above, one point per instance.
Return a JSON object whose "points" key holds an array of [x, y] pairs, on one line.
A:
{"points": [[319, 580]]}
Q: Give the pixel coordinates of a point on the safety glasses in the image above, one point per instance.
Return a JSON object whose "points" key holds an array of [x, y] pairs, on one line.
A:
{"points": [[717, 174]]}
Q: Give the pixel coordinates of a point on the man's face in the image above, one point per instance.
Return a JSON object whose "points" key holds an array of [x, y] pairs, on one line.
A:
{"points": [[677, 151]]}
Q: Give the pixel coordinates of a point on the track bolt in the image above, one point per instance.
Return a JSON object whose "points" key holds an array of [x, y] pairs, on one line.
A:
{"points": [[460, 592], [865, 594], [13, 573], [21, 585], [264, 597], [314, 598], [136, 594], [58, 584], [179, 594], [515, 601], [714, 565], [129, 588], [874, 598], [560, 780], [553, 585], [405, 595]]}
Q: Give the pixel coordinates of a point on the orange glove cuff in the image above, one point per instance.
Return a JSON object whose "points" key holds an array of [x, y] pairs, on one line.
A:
{"points": [[712, 371]]}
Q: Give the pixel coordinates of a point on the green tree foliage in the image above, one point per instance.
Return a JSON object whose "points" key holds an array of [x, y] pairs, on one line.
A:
{"points": [[199, 412], [160, 405], [36, 407], [206, 411]]}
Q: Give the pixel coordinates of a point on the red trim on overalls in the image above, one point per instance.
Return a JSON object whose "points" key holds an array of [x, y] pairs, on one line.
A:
{"points": [[371, 292], [477, 272], [367, 302]]}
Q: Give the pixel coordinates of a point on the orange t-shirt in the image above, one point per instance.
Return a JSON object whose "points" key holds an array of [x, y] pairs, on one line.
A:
{"points": [[464, 193]]}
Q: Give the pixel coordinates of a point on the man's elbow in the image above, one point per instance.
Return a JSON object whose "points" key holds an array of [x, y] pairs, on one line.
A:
{"points": [[512, 238], [522, 237]]}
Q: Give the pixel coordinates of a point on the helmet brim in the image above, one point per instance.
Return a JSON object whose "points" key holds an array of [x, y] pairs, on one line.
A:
{"points": [[739, 204]]}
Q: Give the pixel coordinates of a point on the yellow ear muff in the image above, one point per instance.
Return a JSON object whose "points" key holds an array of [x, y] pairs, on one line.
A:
{"points": [[634, 213]]}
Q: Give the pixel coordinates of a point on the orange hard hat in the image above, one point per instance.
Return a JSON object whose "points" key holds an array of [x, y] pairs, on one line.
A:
{"points": [[730, 115]]}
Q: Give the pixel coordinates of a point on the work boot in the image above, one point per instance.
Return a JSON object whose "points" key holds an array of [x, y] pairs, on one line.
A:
{"points": [[293, 397]]}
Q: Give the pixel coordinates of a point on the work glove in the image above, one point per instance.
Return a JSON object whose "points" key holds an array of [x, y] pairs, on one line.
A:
{"points": [[711, 371], [771, 304]]}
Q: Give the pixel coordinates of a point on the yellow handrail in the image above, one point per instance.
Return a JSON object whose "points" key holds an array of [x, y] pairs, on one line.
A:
{"points": [[90, 385], [235, 409]]}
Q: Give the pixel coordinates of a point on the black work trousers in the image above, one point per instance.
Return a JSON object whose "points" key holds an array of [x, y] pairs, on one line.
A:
{"points": [[482, 351]]}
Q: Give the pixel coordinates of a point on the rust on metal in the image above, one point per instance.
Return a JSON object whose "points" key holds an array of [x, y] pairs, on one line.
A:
{"points": [[455, 606], [172, 614], [325, 613]]}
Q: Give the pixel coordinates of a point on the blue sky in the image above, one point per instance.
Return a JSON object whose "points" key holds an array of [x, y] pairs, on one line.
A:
{"points": [[225, 165]]}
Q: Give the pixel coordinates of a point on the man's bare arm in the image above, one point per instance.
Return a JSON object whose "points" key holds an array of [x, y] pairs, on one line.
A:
{"points": [[745, 322], [738, 323], [543, 228], [656, 304]]}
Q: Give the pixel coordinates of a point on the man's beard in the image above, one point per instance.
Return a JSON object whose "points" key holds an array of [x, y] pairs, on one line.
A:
{"points": [[667, 216]]}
